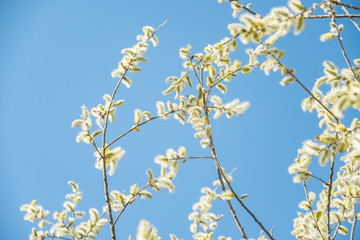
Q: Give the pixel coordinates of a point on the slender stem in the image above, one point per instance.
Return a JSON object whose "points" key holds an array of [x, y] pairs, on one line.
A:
{"points": [[248, 210], [303, 12], [106, 189], [351, 19], [338, 139], [136, 126], [309, 174], [312, 213], [245, 8], [94, 144], [218, 167], [343, 51], [354, 223], [130, 201], [105, 181], [303, 86], [337, 227], [93, 225], [197, 227], [329, 195], [345, 5], [336, 16]]}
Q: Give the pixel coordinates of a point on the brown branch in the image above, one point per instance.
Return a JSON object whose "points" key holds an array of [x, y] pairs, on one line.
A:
{"points": [[248, 210], [136, 126], [218, 168], [245, 8], [303, 86], [343, 51], [354, 224], [303, 12], [309, 174], [346, 5], [329, 194], [312, 213], [106, 189], [130, 201], [351, 19], [338, 226], [336, 16], [92, 226], [221, 176]]}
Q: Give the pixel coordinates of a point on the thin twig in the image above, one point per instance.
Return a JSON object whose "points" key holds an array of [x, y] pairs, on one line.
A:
{"points": [[106, 190], [354, 223], [130, 201], [245, 8], [94, 144], [351, 19], [218, 167], [336, 16], [330, 194], [338, 226], [247, 209], [303, 86], [309, 174], [343, 51], [136, 126], [92, 226], [304, 11], [312, 212], [345, 5]]}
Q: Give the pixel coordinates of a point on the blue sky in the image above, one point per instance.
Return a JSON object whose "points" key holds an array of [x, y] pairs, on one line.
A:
{"points": [[58, 55]]}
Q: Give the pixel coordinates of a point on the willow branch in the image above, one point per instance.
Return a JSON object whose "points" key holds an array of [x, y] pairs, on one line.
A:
{"points": [[309, 174], [130, 201], [136, 126], [351, 19], [336, 16], [343, 51], [312, 212], [303, 86], [92, 226], [245, 8], [354, 224], [106, 189], [346, 5], [247, 209], [218, 168], [329, 194], [304, 11]]}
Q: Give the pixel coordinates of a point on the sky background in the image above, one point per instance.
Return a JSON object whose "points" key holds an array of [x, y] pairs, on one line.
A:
{"points": [[58, 55]]}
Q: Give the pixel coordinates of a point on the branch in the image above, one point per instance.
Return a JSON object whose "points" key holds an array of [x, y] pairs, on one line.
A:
{"points": [[329, 194], [218, 168], [312, 213], [106, 190], [245, 8], [343, 51], [303, 86], [130, 201], [309, 174], [345, 5], [136, 126], [336, 16], [92, 226], [306, 10], [248, 210], [338, 226], [354, 224], [351, 19]]}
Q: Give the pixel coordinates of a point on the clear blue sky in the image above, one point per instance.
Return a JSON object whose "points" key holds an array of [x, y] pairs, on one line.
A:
{"points": [[58, 55]]}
